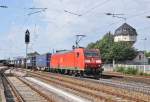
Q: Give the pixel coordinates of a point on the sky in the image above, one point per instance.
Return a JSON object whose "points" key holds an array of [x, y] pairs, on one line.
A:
{"points": [[56, 29]]}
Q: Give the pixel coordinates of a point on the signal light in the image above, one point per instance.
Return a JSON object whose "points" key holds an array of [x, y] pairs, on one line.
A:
{"points": [[27, 36]]}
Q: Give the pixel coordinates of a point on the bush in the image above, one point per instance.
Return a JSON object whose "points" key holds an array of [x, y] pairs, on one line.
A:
{"points": [[120, 69], [129, 70], [132, 71], [144, 74], [141, 73]]}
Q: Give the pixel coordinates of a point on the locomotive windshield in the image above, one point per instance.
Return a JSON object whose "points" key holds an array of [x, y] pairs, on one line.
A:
{"points": [[91, 54]]}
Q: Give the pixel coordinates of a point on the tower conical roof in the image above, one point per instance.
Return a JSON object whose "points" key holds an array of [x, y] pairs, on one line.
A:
{"points": [[125, 29]]}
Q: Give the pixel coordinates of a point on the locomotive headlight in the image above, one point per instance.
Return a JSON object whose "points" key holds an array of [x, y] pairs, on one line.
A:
{"points": [[98, 61], [87, 61]]}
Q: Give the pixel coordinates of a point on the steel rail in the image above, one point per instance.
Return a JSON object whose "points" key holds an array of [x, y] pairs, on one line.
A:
{"points": [[49, 99], [128, 85], [77, 89], [143, 79], [17, 94], [143, 88], [14, 90], [88, 87], [120, 84]]}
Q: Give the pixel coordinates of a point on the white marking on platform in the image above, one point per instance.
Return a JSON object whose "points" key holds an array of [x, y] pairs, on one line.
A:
{"points": [[2, 67], [69, 96]]}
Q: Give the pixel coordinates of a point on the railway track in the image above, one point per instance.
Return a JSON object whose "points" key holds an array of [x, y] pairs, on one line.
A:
{"points": [[119, 76], [18, 90], [137, 86], [128, 85], [123, 84], [49, 90], [97, 91], [132, 86], [11, 94]]}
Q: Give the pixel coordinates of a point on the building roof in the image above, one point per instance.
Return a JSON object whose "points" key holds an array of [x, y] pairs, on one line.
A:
{"points": [[32, 54], [62, 51], [125, 29]]}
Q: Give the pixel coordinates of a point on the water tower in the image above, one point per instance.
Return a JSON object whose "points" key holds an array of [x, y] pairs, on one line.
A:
{"points": [[125, 33]]}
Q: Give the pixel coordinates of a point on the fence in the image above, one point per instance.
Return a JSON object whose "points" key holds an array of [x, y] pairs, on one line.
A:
{"points": [[108, 67], [141, 68]]}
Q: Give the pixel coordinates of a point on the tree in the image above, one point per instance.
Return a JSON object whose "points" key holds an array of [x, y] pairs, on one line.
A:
{"points": [[120, 51], [147, 54], [104, 46], [91, 45]]}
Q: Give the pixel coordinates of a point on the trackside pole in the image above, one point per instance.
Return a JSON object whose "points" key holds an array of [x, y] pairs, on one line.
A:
{"points": [[26, 54], [27, 41]]}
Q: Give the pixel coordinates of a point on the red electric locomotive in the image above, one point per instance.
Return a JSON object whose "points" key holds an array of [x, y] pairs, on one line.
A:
{"points": [[79, 61]]}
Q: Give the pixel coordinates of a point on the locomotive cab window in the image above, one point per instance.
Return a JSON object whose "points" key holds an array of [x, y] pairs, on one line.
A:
{"points": [[91, 54]]}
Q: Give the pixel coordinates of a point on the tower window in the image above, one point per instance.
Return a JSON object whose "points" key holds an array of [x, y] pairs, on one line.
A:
{"points": [[140, 57]]}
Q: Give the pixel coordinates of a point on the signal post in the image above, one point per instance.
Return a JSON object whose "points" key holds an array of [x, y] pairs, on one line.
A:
{"points": [[27, 41]]}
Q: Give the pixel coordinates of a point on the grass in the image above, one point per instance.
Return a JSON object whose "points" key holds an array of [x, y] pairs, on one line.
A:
{"points": [[144, 74], [130, 71], [0, 99]]}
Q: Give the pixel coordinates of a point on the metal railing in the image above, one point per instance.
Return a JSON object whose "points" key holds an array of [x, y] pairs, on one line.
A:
{"points": [[141, 68]]}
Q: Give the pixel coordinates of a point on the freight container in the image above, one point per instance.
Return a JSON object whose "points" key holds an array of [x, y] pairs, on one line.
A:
{"points": [[31, 60], [42, 61]]}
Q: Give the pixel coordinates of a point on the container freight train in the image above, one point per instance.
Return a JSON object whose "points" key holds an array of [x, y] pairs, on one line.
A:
{"points": [[79, 61], [32, 62]]}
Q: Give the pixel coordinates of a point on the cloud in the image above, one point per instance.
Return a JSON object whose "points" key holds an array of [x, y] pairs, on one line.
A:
{"points": [[62, 27], [15, 41], [56, 29]]}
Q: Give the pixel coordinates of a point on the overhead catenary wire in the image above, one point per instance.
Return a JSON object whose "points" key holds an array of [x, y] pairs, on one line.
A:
{"points": [[36, 12], [95, 7], [33, 8], [40, 10], [26, 20], [89, 10], [35, 36], [20, 28], [72, 13], [131, 17], [116, 15], [3, 4]]}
